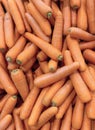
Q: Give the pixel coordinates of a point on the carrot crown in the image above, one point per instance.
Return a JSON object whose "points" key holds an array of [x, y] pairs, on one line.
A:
{"points": [[49, 14]]}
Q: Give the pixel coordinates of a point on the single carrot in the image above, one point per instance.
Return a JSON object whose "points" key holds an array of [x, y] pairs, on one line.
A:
{"points": [[16, 16], [27, 54], [73, 46], [5, 4], [55, 9], [44, 9], [73, 18], [66, 122], [17, 35], [78, 83], [37, 109], [82, 16], [46, 126], [11, 126], [78, 112], [5, 122], [9, 106], [36, 28], [64, 47], [52, 65], [29, 103], [41, 56], [56, 124], [2, 61], [75, 4], [55, 54], [2, 13], [19, 80], [44, 66], [38, 71], [61, 73], [12, 66], [78, 33], [63, 108], [87, 45], [43, 22]]}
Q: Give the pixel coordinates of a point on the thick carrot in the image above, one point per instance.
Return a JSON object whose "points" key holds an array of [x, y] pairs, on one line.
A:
{"points": [[2, 61], [87, 45], [43, 22], [27, 54], [28, 105], [78, 112], [75, 4], [56, 124], [37, 109], [41, 56], [63, 108], [12, 66], [46, 126], [80, 34], [52, 91], [77, 81], [55, 54], [9, 106], [66, 122], [73, 46], [52, 65], [74, 18], [2, 13], [5, 122], [9, 30], [91, 18], [62, 93], [44, 66], [49, 78], [19, 80], [16, 16], [5, 4], [11, 126], [82, 16]]}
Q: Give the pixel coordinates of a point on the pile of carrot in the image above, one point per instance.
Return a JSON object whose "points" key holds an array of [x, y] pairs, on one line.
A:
{"points": [[47, 64]]}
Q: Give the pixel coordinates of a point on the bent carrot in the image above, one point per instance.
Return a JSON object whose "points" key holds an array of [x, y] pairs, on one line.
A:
{"points": [[56, 124], [43, 45], [52, 65], [74, 18], [41, 56], [11, 126], [5, 4], [87, 45], [62, 93], [75, 4], [16, 16], [2, 13], [46, 126]]}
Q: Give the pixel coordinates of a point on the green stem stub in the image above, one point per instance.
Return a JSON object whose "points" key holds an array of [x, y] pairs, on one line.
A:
{"points": [[14, 96], [18, 62], [53, 104], [60, 58], [49, 14], [15, 70], [8, 59], [75, 7]]}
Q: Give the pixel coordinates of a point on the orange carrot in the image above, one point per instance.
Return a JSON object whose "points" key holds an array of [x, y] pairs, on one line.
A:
{"points": [[17, 35], [37, 109], [66, 122], [38, 71], [1, 10], [49, 78], [77, 81], [47, 2], [93, 124], [55, 54], [44, 66], [74, 18], [11, 126], [52, 65], [87, 45], [63, 108], [80, 34], [2, 61], [77, 116], [62, 93], [41, 56], [27, 127], [9, 106], [75, 4], [46, 126], [56, 124], [27, 54], [12, 66], [16, 16], [19, 80], [64, 46], [5, 4], [73, 46], [28, 105], [43, 22], [5, 122]]}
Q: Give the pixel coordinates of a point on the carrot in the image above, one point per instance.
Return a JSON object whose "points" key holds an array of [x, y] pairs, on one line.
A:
{"points": [[43, 22], [61, 73], [77, 81], [66, 16], [41, 56], [12, 66], [93, 124], [66, 122], [2, 36], [77, 116], [91, 65], [64, 47], [16, 16], [55, 54], [87, 45], [5, 4], [80, 34], [62, 94], [37, 109], [47, 2], [28, 105], [44, 66], [73, 46], [5, 122], [75, 4], [46, 126], [2, 61], [38, 71], [56, 124], [17, 35], [36, 28], [28, 65], [73, 18], [26, 125], [19, 80], [44, 9], [73, 128], [11, 126], [9, 106], [52, 65], [27, 54], [82, 16], [55, 9], [2, 13]]}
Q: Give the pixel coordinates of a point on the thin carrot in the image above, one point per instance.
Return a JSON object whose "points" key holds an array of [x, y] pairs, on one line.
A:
{"points": [[87, 45], [44, 46], [78, 112], [11, 126], [16, 16], [9, 106], [46, 126], [44, 66], [1, 10], [74, 18], [66, 122], [77, 81], [41, 56], [37, 109], [52, 65], [80, 34], [36, 28], [27, 54], [5, 4], [75, 4], [12, 66], [56, 124], [43, 22], [2, 61], [29, 103], [19, 80]]}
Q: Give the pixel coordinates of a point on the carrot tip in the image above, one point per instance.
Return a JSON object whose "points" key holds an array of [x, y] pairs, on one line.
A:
{"points": [[49, 14], [14, 96], [53, 104], [18, 62], [60, 57], [8, 59]]}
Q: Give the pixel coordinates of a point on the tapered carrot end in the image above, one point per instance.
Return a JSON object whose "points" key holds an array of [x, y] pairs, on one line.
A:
{"points": [[49, 14], [60, 58], [8, 59], [53, 104], [18, 62]]}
